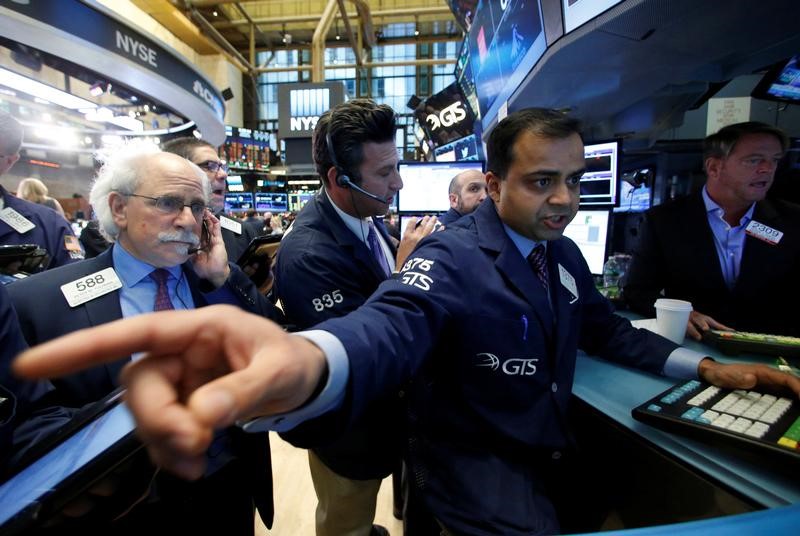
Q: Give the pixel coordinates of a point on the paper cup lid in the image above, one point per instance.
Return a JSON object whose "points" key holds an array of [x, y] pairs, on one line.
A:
{"points": [[673, 305]]}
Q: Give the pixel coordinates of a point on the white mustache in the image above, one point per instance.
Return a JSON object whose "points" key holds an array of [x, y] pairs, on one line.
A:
{"points": [[179, 236]]}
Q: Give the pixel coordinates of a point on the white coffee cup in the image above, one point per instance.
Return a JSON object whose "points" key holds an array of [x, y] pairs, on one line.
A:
{"points": [[672, 317]]}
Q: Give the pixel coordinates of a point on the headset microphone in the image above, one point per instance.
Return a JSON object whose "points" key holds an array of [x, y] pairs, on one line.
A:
{"points": [[345, 182], [341, 176]]}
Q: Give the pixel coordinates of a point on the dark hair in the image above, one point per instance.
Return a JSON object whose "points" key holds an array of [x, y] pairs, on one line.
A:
{"points": [[185, 146], [722, 143], [539, 121], [351, 124]]}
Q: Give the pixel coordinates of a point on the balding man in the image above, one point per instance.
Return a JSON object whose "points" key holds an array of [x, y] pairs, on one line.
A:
{"points": [[467, 191], [153, 205]]}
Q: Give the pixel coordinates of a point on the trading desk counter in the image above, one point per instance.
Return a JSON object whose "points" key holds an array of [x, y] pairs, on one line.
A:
{"points": [[614, 390]]}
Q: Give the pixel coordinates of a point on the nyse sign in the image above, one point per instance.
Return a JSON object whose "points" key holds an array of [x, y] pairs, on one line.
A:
{"points": [[301, 124], [447, 117]]}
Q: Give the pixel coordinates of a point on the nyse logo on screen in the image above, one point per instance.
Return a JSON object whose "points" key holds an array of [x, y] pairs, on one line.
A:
{"points": [[300, 124], [447, 117]]}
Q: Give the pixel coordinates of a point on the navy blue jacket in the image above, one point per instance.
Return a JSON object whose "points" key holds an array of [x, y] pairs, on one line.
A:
{"points": [[45, 314], [676, 253], [324, 271], [50, 233], [451, 216], [494, 367]]}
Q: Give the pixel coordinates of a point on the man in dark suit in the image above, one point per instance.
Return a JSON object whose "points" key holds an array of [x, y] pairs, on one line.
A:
{"points": [[152, 205], [487, 315], [236, 234], [467, 190], [23, 222], [334, 258], [727, 249]]}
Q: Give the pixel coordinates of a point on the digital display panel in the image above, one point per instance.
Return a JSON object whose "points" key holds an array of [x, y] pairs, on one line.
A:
{"points": [[633, 199], [274, 202], [238, 202], [599, 185], [578, 12], [781, 83], [466, 148], [245, 149], [505, 42], [297, 200], [235, 183], [589, 231], [426, 184]]}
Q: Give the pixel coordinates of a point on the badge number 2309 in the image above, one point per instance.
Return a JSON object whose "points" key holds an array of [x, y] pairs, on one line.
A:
{"points": [[326, 301]]}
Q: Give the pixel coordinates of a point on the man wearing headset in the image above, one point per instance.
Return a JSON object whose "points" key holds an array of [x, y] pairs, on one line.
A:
{"points": [[336, 255]]}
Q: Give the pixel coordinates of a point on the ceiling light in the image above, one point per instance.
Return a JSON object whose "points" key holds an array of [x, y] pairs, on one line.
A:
{"points": [[42, 91], [215, 13]]}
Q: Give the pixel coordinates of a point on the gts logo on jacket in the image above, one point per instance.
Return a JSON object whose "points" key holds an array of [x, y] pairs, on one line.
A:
{"points": [[514, 366]]}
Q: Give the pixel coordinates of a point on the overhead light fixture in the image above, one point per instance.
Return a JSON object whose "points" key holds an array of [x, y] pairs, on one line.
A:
{"points": [[42, 91], [338, 37], [215, 13]]}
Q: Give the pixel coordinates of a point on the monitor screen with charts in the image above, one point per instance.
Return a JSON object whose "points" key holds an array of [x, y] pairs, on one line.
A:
{"points": [[589, 230], [274, 202], [600, 183], [426, 184]]}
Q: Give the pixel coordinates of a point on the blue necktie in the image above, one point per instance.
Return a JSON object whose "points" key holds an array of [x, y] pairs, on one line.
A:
{"points": [[377, 250]]}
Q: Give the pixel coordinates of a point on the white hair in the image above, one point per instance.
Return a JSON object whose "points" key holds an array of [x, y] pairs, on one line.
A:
{"points": [[120, 172]]}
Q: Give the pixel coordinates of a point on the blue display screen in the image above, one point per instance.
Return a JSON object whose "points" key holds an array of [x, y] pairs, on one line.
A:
{"points": [[505, 42]]}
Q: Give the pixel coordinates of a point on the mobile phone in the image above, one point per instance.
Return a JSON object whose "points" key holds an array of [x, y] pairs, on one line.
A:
{"points": [[87, 448], [205, 239]]}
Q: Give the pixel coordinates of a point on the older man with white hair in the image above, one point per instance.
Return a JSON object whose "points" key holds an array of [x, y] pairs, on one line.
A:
{"points": [[152, 206]]}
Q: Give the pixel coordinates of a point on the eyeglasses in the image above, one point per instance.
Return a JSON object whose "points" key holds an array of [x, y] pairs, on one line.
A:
{"points": [[169, 204], [213, 166]]}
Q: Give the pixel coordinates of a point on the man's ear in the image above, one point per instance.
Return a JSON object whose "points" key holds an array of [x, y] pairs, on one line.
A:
{"points": [[713, 166], [494, 185], [118, 204], [453, 200]]}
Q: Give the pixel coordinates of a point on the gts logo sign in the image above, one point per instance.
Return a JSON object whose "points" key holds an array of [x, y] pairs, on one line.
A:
{"points": [[510, 367], [447, 117]]}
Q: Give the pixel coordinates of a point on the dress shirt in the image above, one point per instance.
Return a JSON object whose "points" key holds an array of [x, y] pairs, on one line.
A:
{"points": [[138, 292], [729, 241], [360, 228]]}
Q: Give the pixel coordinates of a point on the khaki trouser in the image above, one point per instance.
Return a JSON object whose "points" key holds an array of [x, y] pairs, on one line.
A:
{"points": [[345, 507]]}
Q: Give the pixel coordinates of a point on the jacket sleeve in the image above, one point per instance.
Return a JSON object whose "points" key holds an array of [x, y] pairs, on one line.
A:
{"points": [[645, 279], [315, 284]]}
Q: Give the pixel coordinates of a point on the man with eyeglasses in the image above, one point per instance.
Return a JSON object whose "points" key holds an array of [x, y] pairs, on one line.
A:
{"points": [[152, 206], [727, 249], [236, 235], [23, 222]]}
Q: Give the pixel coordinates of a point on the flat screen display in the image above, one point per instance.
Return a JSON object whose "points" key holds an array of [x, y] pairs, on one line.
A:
{"points": [[235, 183], [245, 148], [589, 231], [505, 42], [578, 12], [274, 202], [466, 148], [426, 184], [297, 200], [238, 202], [781, 83], [600, 183], [633, 199]]}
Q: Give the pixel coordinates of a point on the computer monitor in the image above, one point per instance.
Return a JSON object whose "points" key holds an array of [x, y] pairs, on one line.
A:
{"points": [[589, 231], [600, 183], [465, 148], [274, 202], [781, 83], [426, 184], [239, 202], [297, 200], [633, 199]]}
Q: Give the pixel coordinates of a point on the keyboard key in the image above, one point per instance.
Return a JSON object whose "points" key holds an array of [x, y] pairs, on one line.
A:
{"points": [[723, 421], [758, 429], [740, 425], [704, 396]]}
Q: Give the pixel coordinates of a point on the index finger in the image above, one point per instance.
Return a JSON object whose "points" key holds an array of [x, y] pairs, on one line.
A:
{"points": [[158, 333]]}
